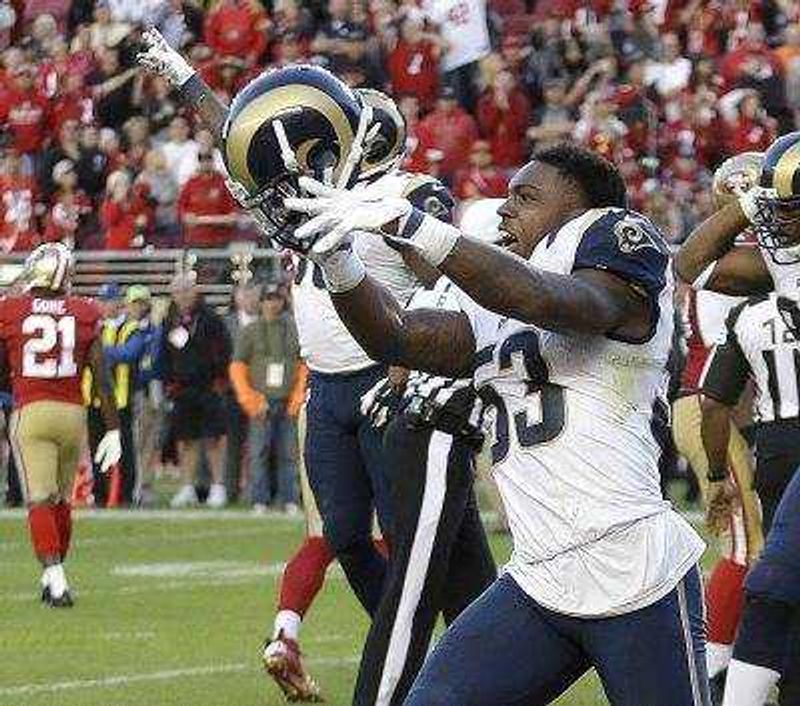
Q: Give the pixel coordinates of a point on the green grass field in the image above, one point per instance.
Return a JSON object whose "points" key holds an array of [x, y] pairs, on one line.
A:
{"points": [[171, 609]]}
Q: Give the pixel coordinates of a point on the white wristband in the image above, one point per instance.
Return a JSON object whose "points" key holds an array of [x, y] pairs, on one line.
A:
{"points": [[434, 240], [342, 271], [701, 279]]}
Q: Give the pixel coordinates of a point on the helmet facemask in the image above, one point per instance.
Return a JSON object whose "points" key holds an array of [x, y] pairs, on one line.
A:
{"points": [[266, 206], [778, 228]]}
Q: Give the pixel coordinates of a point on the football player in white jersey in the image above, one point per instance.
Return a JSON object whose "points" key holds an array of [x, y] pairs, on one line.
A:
{"points": [[568, 336], [768, 642], [302, 120]]}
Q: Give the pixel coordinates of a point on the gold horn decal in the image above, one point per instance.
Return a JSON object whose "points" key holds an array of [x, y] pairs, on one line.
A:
{"points": [[262, 109], [785, 170]]}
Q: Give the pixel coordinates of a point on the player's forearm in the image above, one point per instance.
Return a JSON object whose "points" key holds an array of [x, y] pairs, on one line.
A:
{"points": [[431, 341], [715, 430], [506, 284], [210, 111], [710, 241]]}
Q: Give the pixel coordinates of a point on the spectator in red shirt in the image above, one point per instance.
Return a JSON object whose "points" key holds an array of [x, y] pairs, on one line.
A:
{"points": [[71, 207], [503, 117], [413, 63], [753, 129], [206, 209], [124, 214], [19, 204], [481, 179], [25, 112], [448, 128], [237, 28]]}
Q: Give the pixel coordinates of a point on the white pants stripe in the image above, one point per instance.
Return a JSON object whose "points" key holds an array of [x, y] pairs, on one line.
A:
{"points": [[418, 563], [689, 644]]}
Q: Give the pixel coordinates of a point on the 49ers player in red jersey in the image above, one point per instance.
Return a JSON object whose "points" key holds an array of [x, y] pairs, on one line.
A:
{"points": [[49, 336]]}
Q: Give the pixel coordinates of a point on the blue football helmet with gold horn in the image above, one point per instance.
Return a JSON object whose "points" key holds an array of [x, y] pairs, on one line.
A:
{"points": [[778, 219], [287, 122]]}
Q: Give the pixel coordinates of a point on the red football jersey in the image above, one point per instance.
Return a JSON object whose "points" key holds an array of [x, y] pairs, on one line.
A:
{"points": [[47, 343]]}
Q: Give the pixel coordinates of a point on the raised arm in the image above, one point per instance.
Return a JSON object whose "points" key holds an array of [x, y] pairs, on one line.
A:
{"points": [[735, 270], [192, 92]]}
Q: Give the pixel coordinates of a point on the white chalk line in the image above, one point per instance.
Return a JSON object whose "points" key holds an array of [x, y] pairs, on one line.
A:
{"points": [[273, 570], [164, 675], [171, 537], [188, 515]]}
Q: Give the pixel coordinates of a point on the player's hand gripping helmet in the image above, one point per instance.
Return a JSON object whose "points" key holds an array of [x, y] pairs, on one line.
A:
{"points": [[48, 267], [292, 121], [735, 176], [778, 219]]}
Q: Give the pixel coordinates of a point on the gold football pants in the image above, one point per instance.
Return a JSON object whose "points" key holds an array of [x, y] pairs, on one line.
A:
{"points": [[743, 542]]}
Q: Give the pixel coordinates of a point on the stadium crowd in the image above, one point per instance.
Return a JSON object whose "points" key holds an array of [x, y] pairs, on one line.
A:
{"points": [[99, 155]]}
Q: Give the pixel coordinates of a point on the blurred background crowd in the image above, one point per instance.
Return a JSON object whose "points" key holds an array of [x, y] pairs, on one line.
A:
{"points": [[96, 154]]}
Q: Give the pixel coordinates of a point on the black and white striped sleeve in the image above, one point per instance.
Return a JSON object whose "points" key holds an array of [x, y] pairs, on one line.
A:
{"points": [[727, 369]]}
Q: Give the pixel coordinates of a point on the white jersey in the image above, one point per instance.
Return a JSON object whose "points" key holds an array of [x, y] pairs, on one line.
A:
{"points": [[574, 449], [325, 343]]}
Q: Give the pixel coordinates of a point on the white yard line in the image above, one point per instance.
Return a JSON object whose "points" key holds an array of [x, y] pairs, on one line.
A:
{"points": [[165, 675], [172, 537], [146, 586], [193, 515]]}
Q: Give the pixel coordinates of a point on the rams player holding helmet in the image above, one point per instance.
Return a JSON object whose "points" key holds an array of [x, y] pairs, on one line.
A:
{"points": [[710, 258], [294, 122]]}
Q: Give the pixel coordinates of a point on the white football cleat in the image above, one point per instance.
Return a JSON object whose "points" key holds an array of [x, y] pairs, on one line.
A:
{"points": [[186, 496], [217, 496], [282, 662]]}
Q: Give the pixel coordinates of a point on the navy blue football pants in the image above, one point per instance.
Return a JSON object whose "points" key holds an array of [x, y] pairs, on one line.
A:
{"points": [[769, 634], [506, 649], [347, 474]]}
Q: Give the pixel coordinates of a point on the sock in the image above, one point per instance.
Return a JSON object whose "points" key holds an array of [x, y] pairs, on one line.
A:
{"points": [[748, 683], [303, 576], [44, 532], [725, 600], [288, 623], [717, 658], [56, 579], [63, 513], [382, 546]]}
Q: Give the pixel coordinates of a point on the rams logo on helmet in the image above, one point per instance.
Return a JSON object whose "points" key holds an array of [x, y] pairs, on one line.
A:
{"points": [[778, 221], [291, 121], [386, 139]]}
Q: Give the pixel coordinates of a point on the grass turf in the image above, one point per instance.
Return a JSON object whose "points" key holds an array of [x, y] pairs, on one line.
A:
{"points": [[171, 609]]}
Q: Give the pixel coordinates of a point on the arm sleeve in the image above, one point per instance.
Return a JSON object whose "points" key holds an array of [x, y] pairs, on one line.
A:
{"points": [[627, 245], [727, 370], [130, 351]]}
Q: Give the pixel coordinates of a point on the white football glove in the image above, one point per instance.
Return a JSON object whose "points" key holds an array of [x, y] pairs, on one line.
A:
{"points": [[109, 450], [161, 59], [335, 213]]}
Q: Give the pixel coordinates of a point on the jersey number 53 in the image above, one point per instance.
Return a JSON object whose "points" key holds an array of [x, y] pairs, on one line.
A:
{"points": [[543, 417]]}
